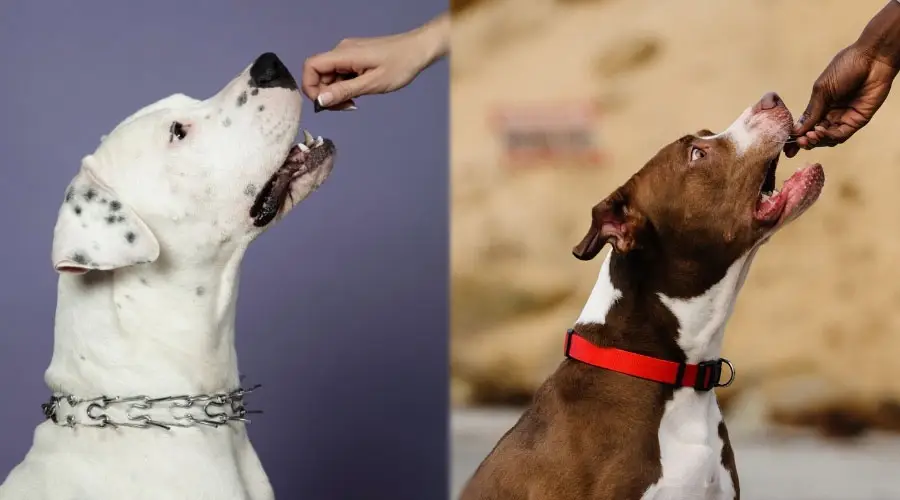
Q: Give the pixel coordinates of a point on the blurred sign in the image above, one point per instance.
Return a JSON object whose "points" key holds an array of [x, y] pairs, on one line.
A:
{"points": [[549, 133]]}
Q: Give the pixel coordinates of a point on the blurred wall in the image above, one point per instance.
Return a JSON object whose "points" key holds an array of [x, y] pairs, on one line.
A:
{"points": [[815, 332]]}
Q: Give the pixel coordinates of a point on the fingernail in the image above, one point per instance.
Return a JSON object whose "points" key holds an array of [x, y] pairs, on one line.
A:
{"points": [[325, 99]]}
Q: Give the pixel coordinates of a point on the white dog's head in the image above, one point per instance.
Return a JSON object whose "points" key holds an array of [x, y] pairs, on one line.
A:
{"points": [[192, 179]]}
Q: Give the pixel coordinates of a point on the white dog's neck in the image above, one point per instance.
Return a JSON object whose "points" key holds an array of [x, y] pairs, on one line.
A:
{"points": [[701, 319], [147, 330]]}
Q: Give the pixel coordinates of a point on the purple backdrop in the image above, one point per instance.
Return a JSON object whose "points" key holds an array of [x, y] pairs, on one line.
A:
{"points": [[342, 314]]}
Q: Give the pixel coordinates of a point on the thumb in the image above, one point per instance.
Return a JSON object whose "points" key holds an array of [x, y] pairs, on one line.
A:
{"points": [[813, 114], [344, 90]]}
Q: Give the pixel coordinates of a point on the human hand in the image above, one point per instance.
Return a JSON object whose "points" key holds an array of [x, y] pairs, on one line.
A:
{"points": [[362, 66], [844, 98], [853, 86]]}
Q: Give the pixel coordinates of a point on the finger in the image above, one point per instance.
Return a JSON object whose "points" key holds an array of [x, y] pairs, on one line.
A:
{"points": [[328, 63], [327, 79], [812, 139], [813, 113], [839, 133], [343, 90]]}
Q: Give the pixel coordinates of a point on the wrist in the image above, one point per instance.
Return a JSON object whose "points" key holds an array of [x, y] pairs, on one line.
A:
{"points": [[880, 39], [434, 39]]}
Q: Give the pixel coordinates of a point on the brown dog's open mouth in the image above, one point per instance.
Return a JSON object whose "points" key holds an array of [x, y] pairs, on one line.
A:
{"points": [[776, 207], [302, 159]]}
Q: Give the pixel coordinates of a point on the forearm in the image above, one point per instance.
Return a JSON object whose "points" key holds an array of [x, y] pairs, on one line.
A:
{"points": [[881, 37], [435, 38]]}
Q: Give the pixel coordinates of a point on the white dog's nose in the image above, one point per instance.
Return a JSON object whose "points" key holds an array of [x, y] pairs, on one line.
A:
{"points": [[269, 72]]}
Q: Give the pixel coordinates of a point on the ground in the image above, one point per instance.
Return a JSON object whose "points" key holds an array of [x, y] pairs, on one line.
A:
{"points": [[773, 467]]}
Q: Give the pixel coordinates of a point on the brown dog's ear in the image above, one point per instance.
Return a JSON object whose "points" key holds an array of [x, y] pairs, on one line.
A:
{"points": [[612, 220]]}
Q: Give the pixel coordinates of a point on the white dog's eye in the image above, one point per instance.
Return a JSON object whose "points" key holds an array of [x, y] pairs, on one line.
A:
{"points": [[177, 130], [697, 153]]}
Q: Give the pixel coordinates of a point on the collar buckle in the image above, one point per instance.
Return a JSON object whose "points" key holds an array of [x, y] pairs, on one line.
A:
{"points": [[709, 375]]}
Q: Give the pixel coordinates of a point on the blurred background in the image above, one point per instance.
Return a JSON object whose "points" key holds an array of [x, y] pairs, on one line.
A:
{"points": [[555, 103]]}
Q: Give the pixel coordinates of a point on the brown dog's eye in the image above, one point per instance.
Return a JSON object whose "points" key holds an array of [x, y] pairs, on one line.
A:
{"points": [[697, 154], [177, 131]]}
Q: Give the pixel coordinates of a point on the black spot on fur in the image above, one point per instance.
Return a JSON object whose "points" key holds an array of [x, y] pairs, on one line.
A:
{"points": [[254, 92], [81, 357], [115, 205], [90, 194], [130, 237], [120, 219], [226, 122], [77, 210], [110, 219], [144, 281], [70, 193], [242, 99], [261, 107], [200, 291], [103, 200], [79, 258], [250, 190]]}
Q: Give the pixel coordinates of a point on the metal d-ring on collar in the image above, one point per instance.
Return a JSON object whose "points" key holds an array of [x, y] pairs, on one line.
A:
{"points": [[731, 369], [183, 411]]}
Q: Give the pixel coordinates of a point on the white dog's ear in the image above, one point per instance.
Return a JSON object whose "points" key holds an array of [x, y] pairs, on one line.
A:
{"points": [[95, 230]]}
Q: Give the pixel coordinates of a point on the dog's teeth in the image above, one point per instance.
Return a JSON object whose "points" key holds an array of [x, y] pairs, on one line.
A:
{"points": [[307, 138], [319, 141], [303, 147]]}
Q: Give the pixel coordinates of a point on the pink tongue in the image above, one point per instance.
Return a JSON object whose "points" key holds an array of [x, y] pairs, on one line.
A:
{"points": [[769, 208]]}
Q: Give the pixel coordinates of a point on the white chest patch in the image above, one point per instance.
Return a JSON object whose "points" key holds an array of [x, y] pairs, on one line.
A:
{"points": [[691, 451], [701, 319], [689, 442]]}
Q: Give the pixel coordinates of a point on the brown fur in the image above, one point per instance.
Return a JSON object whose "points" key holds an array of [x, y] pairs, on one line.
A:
{"points": [[675, 227]]}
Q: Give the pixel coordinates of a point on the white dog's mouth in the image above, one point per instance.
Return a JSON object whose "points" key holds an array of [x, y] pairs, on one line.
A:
{"points": [[302, 159]]}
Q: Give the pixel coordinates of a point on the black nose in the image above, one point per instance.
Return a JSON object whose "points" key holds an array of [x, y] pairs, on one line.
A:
{"points": [[269, 72], [770, 100]]}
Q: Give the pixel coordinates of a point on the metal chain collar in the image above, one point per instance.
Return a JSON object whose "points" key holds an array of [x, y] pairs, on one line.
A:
{"points": [[142, 412]]}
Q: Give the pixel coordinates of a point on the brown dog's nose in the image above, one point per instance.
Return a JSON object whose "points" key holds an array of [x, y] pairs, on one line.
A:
{"points": [[769, 100]]}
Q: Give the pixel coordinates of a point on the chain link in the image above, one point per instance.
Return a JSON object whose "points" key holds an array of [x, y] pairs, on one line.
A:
{"points": [[210, 410]]}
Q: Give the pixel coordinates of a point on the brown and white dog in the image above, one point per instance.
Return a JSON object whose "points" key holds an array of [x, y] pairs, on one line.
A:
{"points": [[630, 413]]}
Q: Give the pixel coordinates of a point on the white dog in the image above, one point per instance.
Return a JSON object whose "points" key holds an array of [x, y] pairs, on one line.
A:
{"points": [[149, 240]]}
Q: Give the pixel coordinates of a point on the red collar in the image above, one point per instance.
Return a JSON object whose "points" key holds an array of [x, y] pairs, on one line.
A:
{"points": [[702, 377]]}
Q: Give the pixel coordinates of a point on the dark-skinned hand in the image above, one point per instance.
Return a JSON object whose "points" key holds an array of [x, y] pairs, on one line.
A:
{"points": [[853, 86]]}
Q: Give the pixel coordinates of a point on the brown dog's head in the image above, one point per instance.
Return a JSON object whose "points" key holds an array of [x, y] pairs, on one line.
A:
{"points": [[707, 197]]}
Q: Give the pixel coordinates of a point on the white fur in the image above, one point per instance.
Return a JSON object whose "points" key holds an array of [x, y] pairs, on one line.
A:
{"points": [[602, 297], [755, 129], [689, 442], [690, 446], [156, 317]]}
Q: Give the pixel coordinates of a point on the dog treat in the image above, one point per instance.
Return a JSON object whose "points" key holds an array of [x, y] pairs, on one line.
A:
{"points": [[348, 105]]}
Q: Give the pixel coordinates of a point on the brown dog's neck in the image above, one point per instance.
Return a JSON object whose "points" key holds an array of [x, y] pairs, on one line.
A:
{"points": [[663, 308], [624, 312]]}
